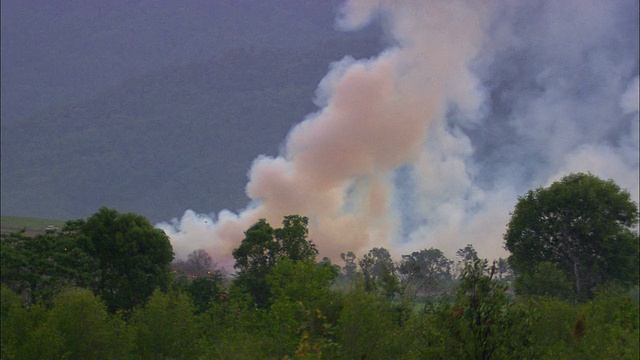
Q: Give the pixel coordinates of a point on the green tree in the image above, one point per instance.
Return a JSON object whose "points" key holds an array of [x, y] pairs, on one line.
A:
{"points": [[41, 266], [482, 322], [425, 270], [292, 237], [166, 328], [467, 253], [300, 296], [583, 225], [19, 273], [134, 258], [547, 279], [302, 280], [503, 270], [350, 268], [379, 272], [86, 330], [368, 327], [205, 290], [198, 263], [255, 256], [18, 322], [611, 329], [263, 246], [605, 327]]}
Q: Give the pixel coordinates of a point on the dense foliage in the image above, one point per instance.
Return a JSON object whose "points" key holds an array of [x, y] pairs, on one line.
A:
{"points": [[262, 247], [133, 257], [121, 257], [284, 304], [581, 229]]}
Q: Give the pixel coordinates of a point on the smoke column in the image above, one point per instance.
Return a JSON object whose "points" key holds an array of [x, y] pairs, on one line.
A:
{"points": [[430, 143]]}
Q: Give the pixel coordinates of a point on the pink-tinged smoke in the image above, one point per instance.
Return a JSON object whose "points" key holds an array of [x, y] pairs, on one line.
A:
{"points": [[407, 151], [338, 164]]}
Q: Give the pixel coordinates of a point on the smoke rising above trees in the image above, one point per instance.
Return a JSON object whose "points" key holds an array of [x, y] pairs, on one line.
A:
{"points": [[429, 143]]}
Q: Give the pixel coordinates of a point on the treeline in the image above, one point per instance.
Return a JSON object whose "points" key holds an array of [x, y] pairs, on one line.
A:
{"points": [[108, 287]]}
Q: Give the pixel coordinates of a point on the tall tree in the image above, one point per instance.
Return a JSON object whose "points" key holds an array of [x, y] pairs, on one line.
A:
{"points": [[583, 225], [426, 269], [467, 253], [198, 263], [379, 272], [165, 328], [350, 267], [482, 322], [85, 329], [256, 254], [292, 237], [502, 267], [134, 257], [263, 246]]}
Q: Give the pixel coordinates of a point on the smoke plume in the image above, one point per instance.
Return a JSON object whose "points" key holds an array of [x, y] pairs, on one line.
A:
{"points": [[430, 143]]}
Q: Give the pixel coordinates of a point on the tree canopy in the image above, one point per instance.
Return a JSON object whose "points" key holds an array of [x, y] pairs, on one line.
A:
{"points": [[305, 313], [134, 257], [583, 225], [263, 246], [39, 267], [425, 270], [379, 272]]}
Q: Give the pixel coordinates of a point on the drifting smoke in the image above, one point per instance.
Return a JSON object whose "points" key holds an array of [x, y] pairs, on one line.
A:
{"points": [[430, 143]]}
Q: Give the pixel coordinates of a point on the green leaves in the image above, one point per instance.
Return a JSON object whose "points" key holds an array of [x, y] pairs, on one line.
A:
{"points": [[366, 327], [379, 272], [547, 279], [303, 313], [292, 238], [581, 224], [483, 323], [134, 257], [77, 327], [254, 258], [165, 328], [427, 270], [263, 246], [43, 265]]}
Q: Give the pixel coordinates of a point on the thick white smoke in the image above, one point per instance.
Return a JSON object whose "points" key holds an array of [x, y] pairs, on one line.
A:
{"points": [[430, 143]]}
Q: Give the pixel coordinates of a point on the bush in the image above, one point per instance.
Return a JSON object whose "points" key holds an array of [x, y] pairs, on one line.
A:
{"points": [[166, 327]]}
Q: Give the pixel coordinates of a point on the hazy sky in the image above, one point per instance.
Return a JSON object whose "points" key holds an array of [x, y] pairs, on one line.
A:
{"points": [[430, 143]]}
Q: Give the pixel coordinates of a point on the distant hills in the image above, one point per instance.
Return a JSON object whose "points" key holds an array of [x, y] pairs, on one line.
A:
{"points": [[168, 139]]}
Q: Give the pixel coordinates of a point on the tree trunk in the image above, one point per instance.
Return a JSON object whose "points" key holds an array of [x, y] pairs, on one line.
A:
{"points": [[577, 276]]}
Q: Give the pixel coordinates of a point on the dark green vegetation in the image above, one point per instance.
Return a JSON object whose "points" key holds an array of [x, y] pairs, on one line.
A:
{"points": [[121, 257], [580, 230], [68, 294]]}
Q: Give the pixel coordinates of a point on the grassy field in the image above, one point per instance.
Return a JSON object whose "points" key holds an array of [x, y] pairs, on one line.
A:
{"points": [[13, 223]]}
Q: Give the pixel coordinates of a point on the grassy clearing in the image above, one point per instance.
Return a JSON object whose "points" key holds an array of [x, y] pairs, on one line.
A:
{"points": [[32, 224]]}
